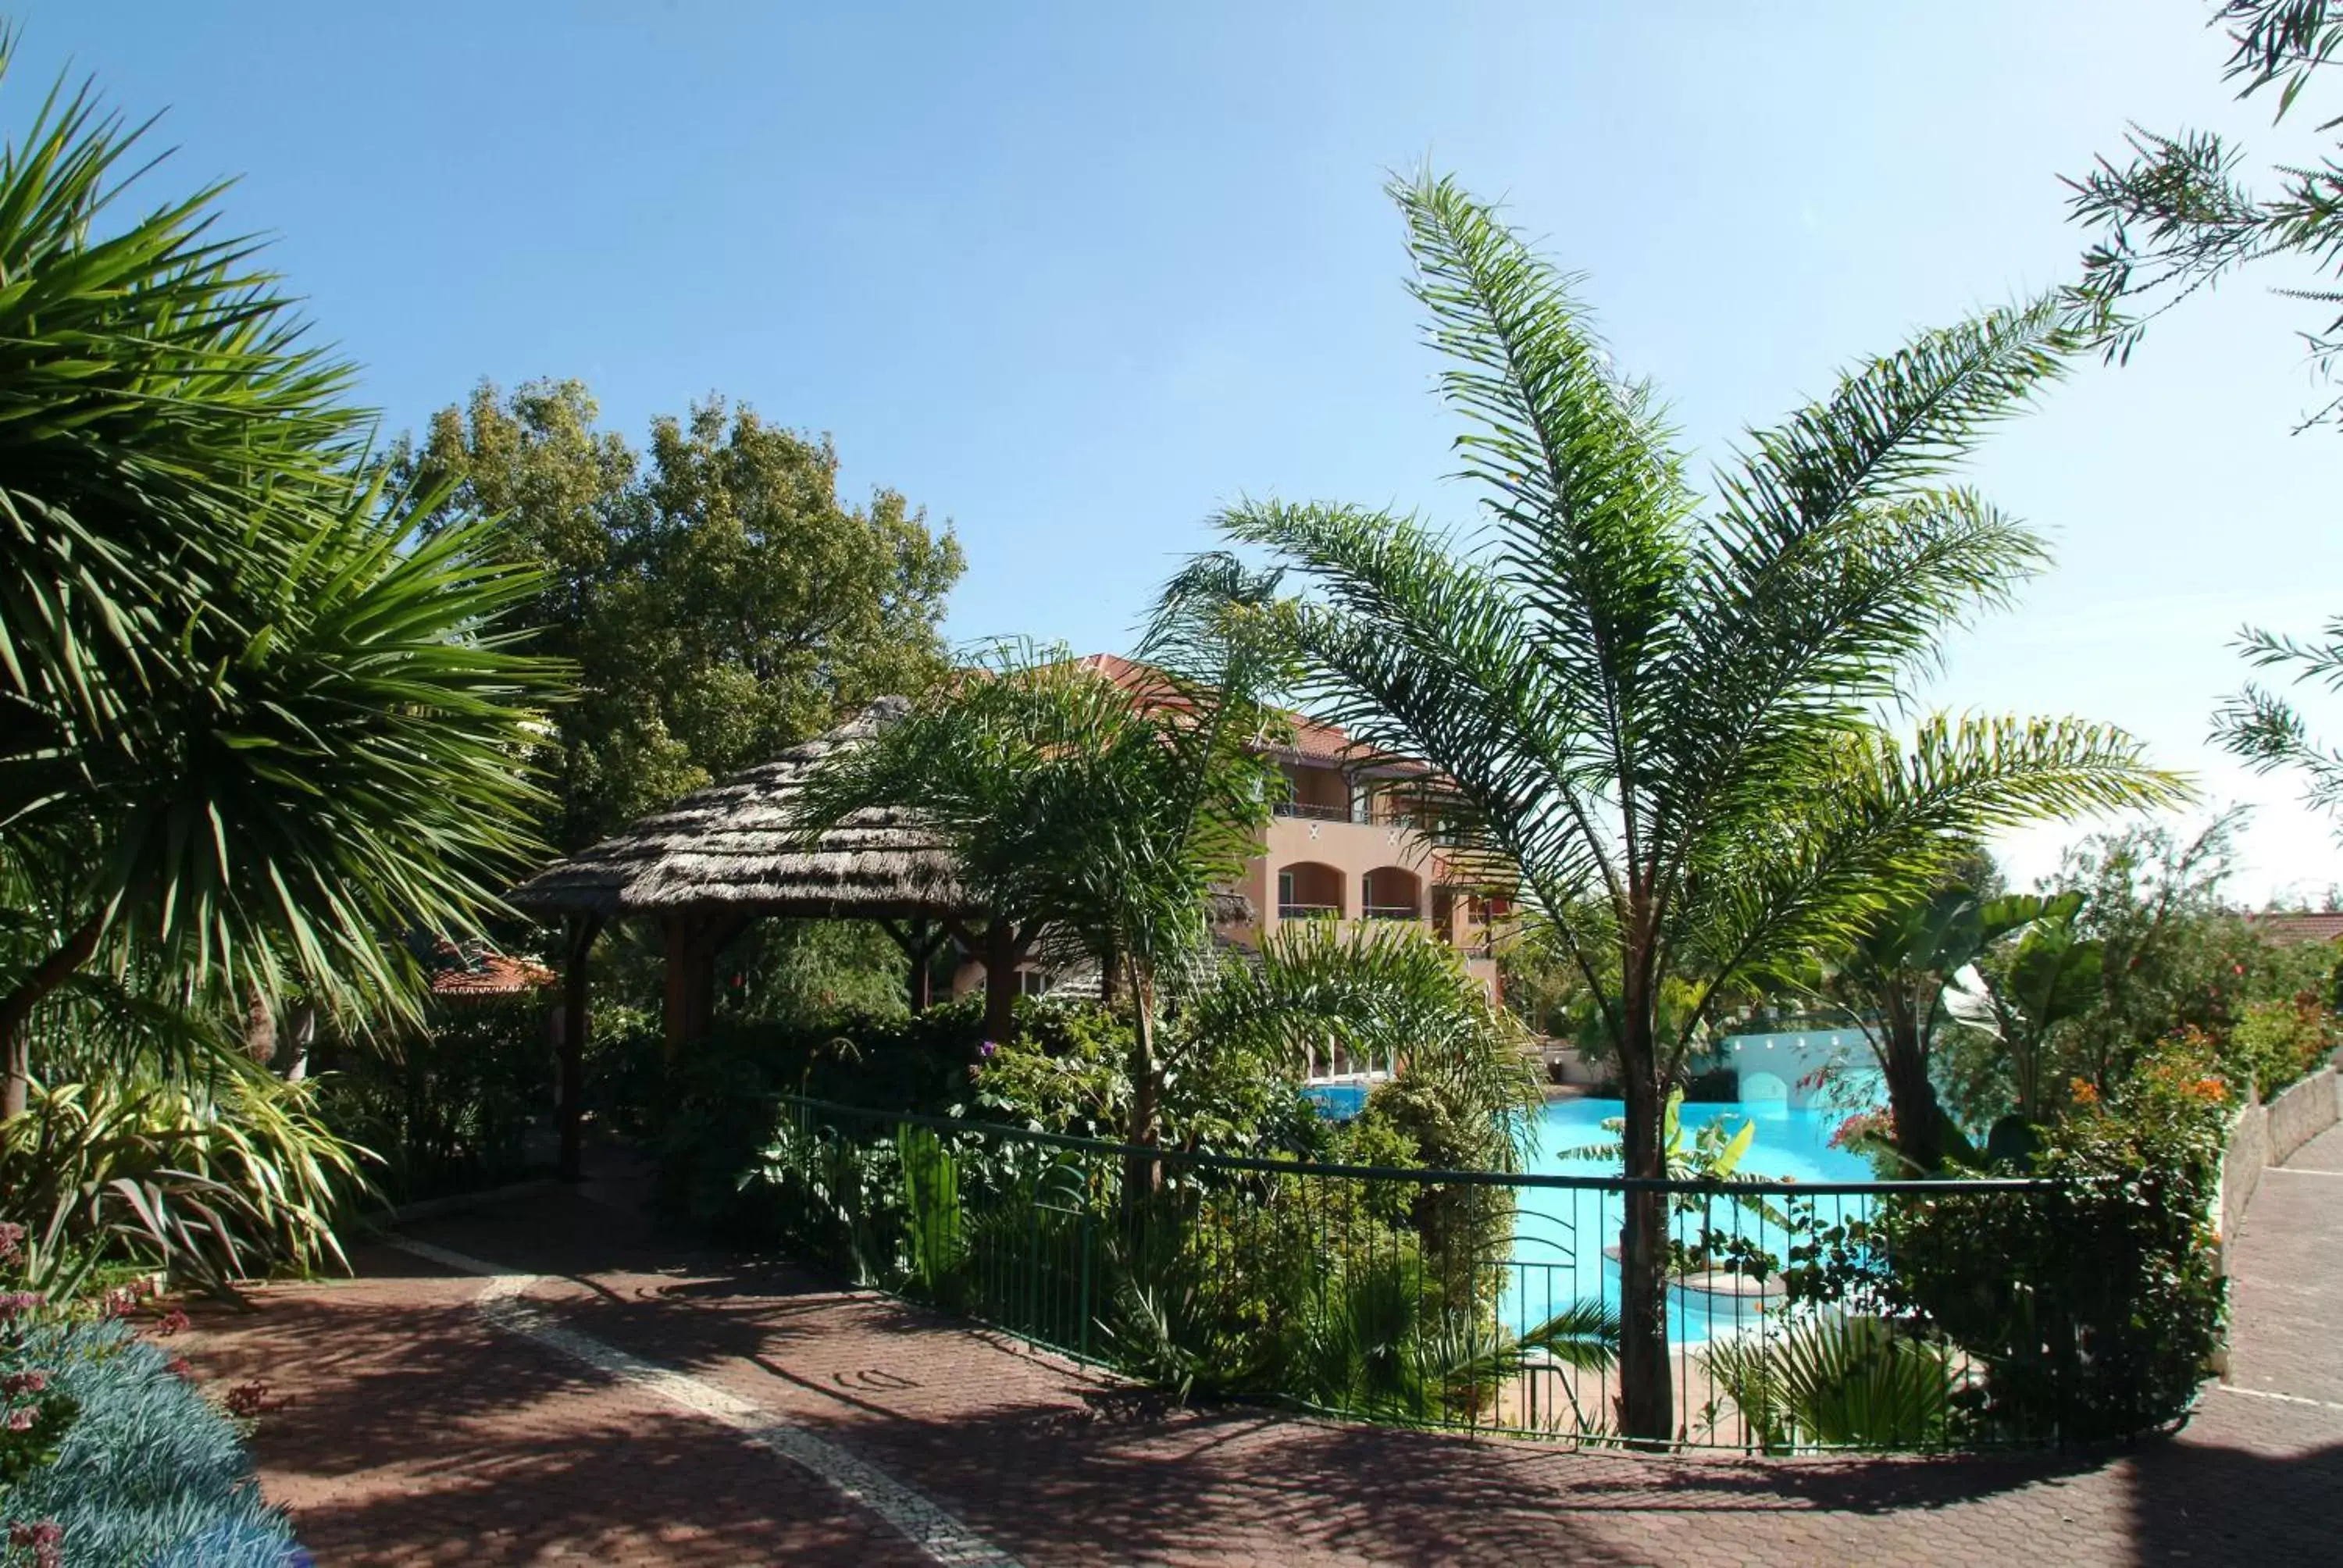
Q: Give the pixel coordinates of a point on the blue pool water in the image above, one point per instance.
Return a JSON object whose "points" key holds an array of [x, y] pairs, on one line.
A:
{"points": [[1337, 1102], [1559, 1234]]}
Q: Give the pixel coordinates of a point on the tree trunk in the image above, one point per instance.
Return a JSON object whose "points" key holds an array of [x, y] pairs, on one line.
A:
{"points": [[1647, 1391], [259, 1025], [919, 985], [1002, 953], [291, 1061], [919, 939], [575, 1001], [1143, 1174], [16, 1010], [1911, 1095]]}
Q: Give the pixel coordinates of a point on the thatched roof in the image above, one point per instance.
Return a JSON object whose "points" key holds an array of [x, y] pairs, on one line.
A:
{"points": [[732, 845]]}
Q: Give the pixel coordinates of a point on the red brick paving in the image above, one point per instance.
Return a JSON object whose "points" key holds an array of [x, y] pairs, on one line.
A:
{"points": [[419, 1435]]}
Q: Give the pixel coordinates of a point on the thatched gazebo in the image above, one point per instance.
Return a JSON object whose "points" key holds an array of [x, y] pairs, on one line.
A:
{"points": [[721, 858]]}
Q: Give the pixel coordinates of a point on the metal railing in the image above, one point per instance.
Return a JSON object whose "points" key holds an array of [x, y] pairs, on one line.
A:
{"points": [[1464, 1299], [1309, 911], [1315, 813], [1392, 912]]}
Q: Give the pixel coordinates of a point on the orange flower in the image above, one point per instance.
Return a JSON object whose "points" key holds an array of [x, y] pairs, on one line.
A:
{"points": [[2083, 1090]]}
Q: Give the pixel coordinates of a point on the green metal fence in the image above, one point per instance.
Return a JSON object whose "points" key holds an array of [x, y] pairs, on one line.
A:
{"points": [[1843, 1316]]}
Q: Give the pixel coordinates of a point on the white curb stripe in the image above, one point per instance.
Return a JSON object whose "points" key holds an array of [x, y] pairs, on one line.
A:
{"points": [[2283, 1398], [941, 1537], [2298, 1171]]}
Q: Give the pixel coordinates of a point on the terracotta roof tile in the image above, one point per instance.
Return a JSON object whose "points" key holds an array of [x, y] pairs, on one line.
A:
{"points": [[2293, 927]]}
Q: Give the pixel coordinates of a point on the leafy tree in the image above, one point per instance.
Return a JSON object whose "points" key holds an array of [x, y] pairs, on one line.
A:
{"points": [[253, 730], [720, 601], [2175, 216], [1110, 813], [1666, 723], [2179, 954]]}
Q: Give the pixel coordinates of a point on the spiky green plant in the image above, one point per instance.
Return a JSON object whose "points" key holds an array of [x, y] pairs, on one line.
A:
{"points": [[210, 1179], [1839, 1383], [250, 731]]}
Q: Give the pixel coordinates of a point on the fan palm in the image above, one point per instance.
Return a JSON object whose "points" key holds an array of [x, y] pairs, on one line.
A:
{"points": [[250, 732], [1666, 722]]}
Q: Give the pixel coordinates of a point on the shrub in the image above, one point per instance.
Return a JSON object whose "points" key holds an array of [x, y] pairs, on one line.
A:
{"points": [[626, 1069], [724, 1106], [148, 1474], [450, 1107], [2093, 1310], [2276, 1043], [210, 1179], [1837, 1382]]}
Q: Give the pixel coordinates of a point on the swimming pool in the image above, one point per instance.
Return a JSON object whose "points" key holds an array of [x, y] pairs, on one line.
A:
{"points": [[1560, 1235], [1339, 1100]]}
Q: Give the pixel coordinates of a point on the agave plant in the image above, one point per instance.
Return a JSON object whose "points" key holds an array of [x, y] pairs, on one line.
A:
{"points": [[210, 1181], [1840, 1381]]}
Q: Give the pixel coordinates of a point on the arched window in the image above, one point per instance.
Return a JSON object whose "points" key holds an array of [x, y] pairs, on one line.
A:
{"points": [[1392, 893], [1306, 890]]}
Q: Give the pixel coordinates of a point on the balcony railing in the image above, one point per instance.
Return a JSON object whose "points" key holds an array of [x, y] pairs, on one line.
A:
{"points": [[1392, 912], [1315, 813], [1309, 911]]}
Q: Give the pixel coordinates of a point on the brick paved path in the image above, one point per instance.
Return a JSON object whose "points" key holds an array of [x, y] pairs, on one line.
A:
{"points": [[425, 1429]]}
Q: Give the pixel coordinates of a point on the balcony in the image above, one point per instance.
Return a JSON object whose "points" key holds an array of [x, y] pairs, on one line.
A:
{"points": [[1314, 813], [1309, 911], [1392, 912]]}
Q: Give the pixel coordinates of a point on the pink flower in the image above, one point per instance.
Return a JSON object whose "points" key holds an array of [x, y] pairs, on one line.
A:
{"points": [[22, 1416], [12, 1236], [170, 1323], [13, 1302], [32, 1381], [44, 1540]]}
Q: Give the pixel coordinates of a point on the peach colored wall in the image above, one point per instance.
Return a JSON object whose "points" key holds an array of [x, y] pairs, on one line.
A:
{"points": [[1351, 850]]}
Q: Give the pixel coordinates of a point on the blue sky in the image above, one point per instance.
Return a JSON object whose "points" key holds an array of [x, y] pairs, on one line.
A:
{"points": [[1072, 275]]}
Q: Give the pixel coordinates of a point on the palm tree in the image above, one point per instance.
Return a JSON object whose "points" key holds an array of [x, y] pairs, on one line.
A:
{"points": [[1666, 721], [1388, 994], [249, 732], [1113, 813], [1893, 980]]}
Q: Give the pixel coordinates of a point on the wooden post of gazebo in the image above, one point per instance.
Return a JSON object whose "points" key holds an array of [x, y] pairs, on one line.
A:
{"points": [[580, 931], [694, 937]]}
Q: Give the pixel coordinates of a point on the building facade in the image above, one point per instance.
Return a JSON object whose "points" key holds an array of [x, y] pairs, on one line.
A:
{"points": [[1346, 845]]}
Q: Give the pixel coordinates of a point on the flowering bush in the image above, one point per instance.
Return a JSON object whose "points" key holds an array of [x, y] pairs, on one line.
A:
{"points": [[105, 1455], [2275, 1044], [34, 1416], [2093, 1310]]}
